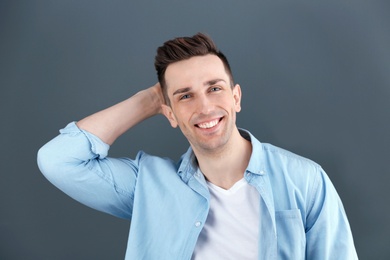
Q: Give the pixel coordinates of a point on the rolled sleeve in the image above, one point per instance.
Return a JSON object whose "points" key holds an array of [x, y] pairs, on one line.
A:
{"points": [[97, 146]]}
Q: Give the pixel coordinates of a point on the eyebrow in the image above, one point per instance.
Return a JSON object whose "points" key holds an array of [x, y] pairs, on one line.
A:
{"points": [[207, 83], [213, 82], [181, 90]]}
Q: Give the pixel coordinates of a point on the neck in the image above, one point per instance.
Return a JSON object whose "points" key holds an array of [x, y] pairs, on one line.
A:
{"points": [[226, 166]]}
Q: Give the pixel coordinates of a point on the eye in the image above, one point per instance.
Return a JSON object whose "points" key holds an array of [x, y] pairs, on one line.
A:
{"points": [[186, 96], [213, 89]]}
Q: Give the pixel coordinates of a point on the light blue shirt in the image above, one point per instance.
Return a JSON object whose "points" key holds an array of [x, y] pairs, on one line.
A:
{"points": [[301, 214]]}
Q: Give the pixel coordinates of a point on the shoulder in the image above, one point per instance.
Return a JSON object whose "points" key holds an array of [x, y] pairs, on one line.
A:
{"points": [[272, 152], [284, 169], [282, 163], [270, 158]]}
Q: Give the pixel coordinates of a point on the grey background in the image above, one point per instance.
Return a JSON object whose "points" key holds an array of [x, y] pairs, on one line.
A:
{"points": [[315, 77]]}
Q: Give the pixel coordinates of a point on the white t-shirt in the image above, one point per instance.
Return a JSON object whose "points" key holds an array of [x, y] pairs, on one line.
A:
{"points": [[231, 230]]}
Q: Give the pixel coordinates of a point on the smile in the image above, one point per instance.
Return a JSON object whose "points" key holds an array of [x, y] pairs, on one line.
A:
{"points": [[209, 124]]}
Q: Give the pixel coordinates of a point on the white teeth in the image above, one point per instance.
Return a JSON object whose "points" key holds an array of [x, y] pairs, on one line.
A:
{"points": [[209, 124]]}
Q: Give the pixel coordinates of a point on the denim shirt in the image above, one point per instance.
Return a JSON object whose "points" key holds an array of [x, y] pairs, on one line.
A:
{"points": [[301, 214]]}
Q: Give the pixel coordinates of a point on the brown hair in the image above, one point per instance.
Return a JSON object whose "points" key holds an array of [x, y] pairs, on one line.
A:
{"points": [[183, 48]]}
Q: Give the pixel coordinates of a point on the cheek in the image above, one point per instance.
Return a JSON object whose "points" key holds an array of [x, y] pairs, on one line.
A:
{"points": [[180, 117], [232, 106], [184, 111]]}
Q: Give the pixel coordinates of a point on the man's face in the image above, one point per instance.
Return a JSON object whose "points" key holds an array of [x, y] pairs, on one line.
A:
{"points": [[203, 104]]}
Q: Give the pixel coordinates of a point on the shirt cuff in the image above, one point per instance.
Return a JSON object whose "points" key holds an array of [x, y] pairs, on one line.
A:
{"points": [[98, 147]]}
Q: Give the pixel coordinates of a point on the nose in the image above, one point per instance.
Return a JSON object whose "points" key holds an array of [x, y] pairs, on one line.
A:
{"points": [[203, 105]]}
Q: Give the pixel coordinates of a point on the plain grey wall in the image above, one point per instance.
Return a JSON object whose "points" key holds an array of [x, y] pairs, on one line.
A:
{"points": [[315, 77]]}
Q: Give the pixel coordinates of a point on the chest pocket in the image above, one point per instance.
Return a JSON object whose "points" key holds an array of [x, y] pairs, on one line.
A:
{"points": [[290, 234]]}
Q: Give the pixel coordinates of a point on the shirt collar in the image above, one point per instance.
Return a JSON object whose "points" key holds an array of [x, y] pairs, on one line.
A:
{"points": [[256, 162], [189, 165]]}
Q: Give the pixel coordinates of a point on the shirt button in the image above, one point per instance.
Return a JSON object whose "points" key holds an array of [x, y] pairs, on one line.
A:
{"points": [[198, 223]]}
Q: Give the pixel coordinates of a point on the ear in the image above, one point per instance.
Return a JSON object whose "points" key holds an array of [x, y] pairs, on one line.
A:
{"points": [[237, 97], [168, 113]]}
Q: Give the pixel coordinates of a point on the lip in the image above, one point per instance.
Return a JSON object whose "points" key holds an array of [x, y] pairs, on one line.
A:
{"points": [[206, 122]]}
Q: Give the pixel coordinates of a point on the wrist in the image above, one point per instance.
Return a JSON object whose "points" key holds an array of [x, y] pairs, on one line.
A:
{"points": [[155, 98]]}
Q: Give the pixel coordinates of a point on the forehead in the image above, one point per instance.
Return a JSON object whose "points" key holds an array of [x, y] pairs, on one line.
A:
{"points": [[194, 71]]}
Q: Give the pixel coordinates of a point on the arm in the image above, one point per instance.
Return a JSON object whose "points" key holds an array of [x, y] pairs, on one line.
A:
{"points": [[76, 161], [328, 232], [112, 122]]}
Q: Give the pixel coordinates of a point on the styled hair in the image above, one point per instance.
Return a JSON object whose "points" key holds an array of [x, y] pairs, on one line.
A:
{"points": [[183, 48]]}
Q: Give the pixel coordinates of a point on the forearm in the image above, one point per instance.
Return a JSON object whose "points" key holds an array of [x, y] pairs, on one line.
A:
{"points": [[112, 122]]}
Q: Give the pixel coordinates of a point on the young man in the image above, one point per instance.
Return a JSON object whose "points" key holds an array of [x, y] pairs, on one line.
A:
{"points": [[229, 196]]}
